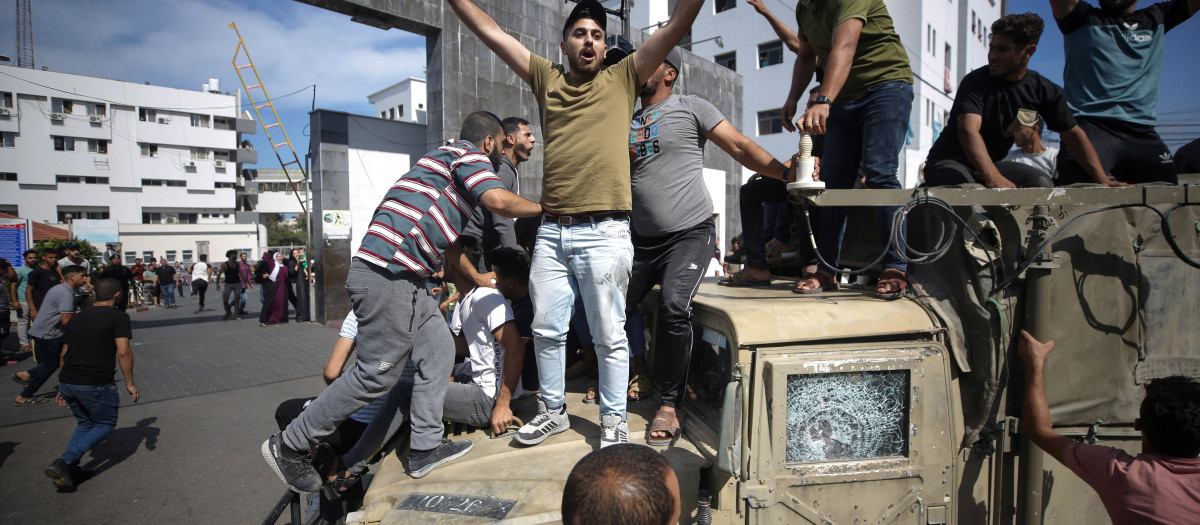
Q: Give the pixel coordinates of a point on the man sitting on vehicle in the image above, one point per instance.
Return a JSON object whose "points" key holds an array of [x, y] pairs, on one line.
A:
{"points": [[993, 103], [1160, 485], [627, 483]]}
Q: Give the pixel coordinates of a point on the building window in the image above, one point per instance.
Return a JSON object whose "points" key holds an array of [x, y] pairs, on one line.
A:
{"points": [[221, 154], [147, 256], [187, 257], [8, 176], [199, 153], [188, 218], [94, 214], [382, 114], [6, 99], [7, 139], [226, 185], [99, 146], [420, 106], [68, 106], [10, 209], [392, 114], [725, 5], [164, 182], [769, 122], [729, 60], [148, 150], [770, 54], [200, 121], [170, 256], [64, 144], [150, 217], [400, 111], [147, 115], [130, 257], [80, 179], [98, 110]]}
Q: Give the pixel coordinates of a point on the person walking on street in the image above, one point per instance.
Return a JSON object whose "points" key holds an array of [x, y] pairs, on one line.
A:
{"points": [[185, 279], [166, 279], [275, 279], [246, 272], [200, 276], [122, 273], [30, 264], [93, 344], [56, 310], [70, 257], [231, 285]]}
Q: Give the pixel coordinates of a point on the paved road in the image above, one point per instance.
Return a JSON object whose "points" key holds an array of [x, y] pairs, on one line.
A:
{"points": [[189, 451]]}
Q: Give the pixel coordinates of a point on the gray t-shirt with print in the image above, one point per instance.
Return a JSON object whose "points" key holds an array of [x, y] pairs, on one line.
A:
{"points": [[666, 143], [48, 325]]}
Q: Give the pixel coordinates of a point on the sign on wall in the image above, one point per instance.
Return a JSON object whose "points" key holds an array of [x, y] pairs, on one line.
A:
{"points": [[16, 236], [96, 231], [335, 224]]}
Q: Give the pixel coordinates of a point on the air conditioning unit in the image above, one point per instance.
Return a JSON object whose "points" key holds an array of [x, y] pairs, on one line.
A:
{"points": [[94, 119], [4, 112], [56, 116], [172, 220], [190, 164], [219, 163], [162, 120]]}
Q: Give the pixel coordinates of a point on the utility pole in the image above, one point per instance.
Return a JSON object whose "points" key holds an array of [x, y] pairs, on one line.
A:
{"points": [[24, 34]]}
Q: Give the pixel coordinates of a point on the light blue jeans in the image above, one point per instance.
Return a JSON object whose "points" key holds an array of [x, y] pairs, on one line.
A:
{"points": [[592, 260]]}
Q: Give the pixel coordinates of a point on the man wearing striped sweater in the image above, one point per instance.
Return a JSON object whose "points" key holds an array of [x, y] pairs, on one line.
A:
{"points": [[420, 217]]}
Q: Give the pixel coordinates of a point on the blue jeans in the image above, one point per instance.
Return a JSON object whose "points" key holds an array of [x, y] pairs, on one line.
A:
{"points": [[168, 294], [242, 303], [47, 352], [592, 260], [95, 409], [865, 133]]}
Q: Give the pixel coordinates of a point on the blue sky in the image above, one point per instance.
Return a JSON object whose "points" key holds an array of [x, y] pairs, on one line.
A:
{"points": [[181, 43]]}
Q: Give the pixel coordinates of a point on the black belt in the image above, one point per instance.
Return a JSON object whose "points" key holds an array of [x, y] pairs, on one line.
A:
{"points": [[600, 216]]}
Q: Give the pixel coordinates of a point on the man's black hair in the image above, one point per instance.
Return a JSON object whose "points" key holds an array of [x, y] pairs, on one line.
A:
{"points": [[204, 257], [471, 248], [513, 125], [48, 250], [1170, 416], [106, 289], [624, 483], [114, 256], [590, 9], [29, 251], [480, 125], [511, 263], [1024, 29], [71, 270], [230, 253]]}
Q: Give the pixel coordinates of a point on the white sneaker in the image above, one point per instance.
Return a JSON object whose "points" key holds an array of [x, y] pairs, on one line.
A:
{"points": [[542, 426], [613, 431]]}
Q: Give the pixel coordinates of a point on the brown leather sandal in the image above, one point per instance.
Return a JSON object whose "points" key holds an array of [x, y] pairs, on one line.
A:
{"points": [[816, 283], [892, 284], [665, 422]]}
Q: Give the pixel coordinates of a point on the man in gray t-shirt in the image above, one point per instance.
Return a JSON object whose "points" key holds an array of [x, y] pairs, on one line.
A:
{"points": [[673, 233], [47, 333]]}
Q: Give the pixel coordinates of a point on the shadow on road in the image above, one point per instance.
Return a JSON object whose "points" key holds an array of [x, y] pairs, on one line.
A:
{"points": [[119, 446], [6, 450], [203, 317]]}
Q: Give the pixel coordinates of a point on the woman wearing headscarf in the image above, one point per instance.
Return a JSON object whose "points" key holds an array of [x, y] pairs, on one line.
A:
{"points": [[275, 276]]}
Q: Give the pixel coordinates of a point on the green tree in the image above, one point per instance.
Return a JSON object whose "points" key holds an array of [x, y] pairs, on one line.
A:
{"points": [[86, 250], [280, 234]]}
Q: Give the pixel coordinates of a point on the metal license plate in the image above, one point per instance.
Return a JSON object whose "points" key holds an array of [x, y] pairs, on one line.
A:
{"points": [[480, 506]]}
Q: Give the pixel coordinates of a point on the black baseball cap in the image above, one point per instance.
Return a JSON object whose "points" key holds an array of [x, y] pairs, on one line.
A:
{"points": [[71, 246], [590, 9]]}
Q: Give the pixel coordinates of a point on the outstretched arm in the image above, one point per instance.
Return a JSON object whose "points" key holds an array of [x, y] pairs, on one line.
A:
{"points": [[654, 50], [1062, 8], [509, 49], [785, 33], [508, 204], [1035, 411], [747, 152]]}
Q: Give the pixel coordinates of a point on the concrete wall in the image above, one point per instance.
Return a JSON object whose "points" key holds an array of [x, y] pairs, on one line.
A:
{"points": [[213, 239]]}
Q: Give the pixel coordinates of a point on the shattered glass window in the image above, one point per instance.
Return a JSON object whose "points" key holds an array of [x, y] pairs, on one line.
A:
{"points": [[848, 415]]}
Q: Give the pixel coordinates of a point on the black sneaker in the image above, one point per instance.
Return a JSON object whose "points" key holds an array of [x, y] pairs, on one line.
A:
{"points": [[542, 426], [422, 463], [294, 468], [227, 316], [60, 474]]}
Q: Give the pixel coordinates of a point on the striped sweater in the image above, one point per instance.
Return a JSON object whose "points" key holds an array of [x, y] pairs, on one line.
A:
{"points": [[426, 209]]}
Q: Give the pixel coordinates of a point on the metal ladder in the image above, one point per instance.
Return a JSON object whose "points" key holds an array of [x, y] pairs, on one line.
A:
{"points": [[295, 162]]}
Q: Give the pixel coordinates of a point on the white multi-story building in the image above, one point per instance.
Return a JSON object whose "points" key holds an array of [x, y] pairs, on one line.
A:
{"points": [[404, 100], [945, 39], [79, 147]]}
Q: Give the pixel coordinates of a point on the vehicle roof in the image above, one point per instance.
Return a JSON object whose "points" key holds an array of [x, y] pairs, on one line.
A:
{"points": [[770, 315]]}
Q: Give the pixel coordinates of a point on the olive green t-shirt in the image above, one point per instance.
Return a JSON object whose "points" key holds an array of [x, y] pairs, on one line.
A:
{"points": [[586, 129], [879, 57]]}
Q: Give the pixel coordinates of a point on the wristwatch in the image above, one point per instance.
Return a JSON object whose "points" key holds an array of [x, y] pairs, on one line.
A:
{"points": [[822, 99]]}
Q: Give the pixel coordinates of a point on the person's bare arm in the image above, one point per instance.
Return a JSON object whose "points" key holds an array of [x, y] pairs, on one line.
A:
{"points": [[1062, 8], [747, 152], [1035, 411], [1076, 140], [125, 358], [65, 317], [509, 49], [785, 33], [514, 359], [337, 359], [12, 288], [460, 346], [29, 300], [837, 70], [976, 151], [654, 50], [455, 258], [802, 73], [508, 204]]}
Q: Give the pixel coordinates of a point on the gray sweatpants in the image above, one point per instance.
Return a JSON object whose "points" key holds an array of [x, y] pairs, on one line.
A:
{"points": [[464, 403], [397, 321]]}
